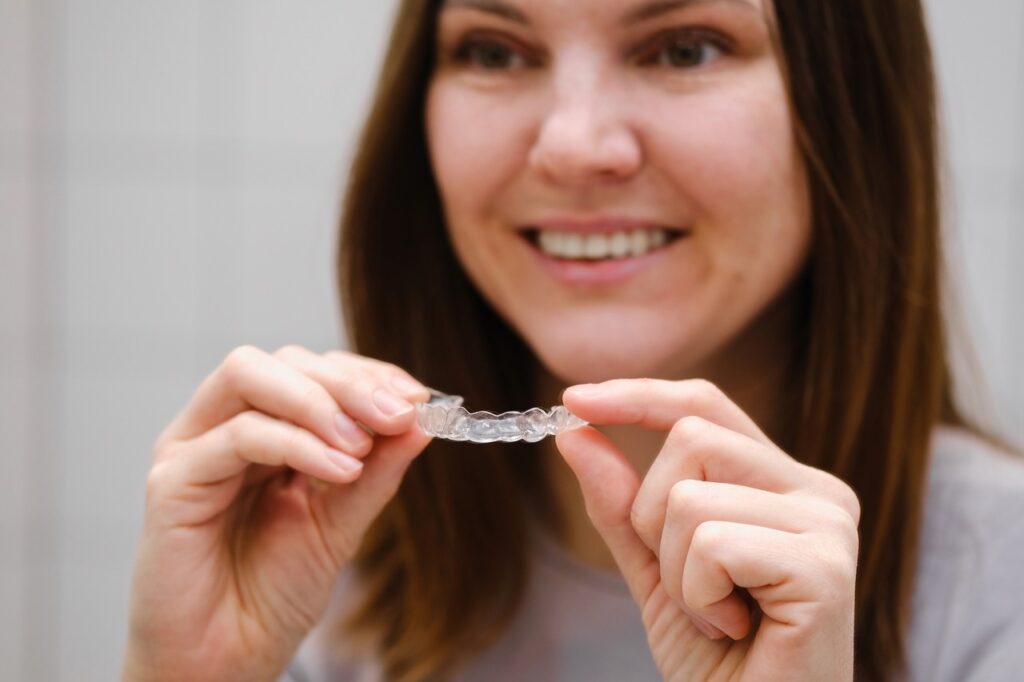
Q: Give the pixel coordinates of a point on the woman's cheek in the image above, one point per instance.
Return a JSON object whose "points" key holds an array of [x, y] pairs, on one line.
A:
{"points": [[469, 139], [731, 158]]}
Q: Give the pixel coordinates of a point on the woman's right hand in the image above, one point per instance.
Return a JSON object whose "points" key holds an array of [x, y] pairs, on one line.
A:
{"points": [[255, 500]]}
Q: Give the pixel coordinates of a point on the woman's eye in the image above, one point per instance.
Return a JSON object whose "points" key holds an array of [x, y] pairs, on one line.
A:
{"points": [[684, 53], [489, 55]]}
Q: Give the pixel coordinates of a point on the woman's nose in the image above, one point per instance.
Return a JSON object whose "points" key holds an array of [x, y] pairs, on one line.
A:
{"points": [[585, 139]]}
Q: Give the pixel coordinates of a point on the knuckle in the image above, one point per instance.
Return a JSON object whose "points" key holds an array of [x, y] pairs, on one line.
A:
{"points": [[349, 390], [340, 356], [345, 383], [389, 367], [244, 354], [236, 430], [703, 393], [290, 351], [684, 497], [360, 386], [837, 573], [240, 361], [849, 534], [708, 538], [840, 524], [313, 393], [294, 440], [648, 384], [850, 502], [157, 481], [835, 516], [162, 445], [689, 431], [843, 495], [835, 490]]}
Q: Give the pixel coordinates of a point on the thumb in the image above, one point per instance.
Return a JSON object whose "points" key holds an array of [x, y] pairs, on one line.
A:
{"points": [[351, 508], [609, 484]]}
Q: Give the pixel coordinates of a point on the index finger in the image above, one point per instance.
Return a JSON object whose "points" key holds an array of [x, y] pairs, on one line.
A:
{"points": [[251, 378], [658, 404]]}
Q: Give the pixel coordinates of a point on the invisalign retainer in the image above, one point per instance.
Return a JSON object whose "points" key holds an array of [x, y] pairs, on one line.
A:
{"points": [[444, 417]]}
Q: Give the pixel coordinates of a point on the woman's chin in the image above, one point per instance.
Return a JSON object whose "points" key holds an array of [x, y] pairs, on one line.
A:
{"points": [[594, 364], [591, 345]]}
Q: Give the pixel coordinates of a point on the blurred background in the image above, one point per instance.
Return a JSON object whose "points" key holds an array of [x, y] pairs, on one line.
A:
{"points": [[169, 186]]}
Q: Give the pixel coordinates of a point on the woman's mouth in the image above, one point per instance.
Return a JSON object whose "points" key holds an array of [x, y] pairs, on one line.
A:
{"points": [[596, 247], [574, 257]]}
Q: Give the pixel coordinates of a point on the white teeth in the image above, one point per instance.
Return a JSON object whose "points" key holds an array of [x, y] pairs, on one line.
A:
{"points": [[595, 246], [619, 244], [550, 242], [572, 245], [638, 243], [598, 246]]}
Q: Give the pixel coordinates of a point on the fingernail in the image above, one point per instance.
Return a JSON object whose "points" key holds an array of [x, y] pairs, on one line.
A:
{"points": [[343, 461], [404, 385], [350, 432], [389, 403]]}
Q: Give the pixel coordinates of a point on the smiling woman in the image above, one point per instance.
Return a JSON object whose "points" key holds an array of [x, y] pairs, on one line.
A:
{"points": [[589, 130], [718, 216]]}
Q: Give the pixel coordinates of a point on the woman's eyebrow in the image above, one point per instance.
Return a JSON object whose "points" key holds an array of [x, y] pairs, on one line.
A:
{"points": [[495, 7], [650, 10], [644, 12]]}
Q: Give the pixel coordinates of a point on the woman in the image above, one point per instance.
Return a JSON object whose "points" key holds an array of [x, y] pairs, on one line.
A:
{"points": [[735, 200]]}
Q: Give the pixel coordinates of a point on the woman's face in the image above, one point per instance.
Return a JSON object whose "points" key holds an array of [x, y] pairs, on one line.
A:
{"points": [[619, 177]]}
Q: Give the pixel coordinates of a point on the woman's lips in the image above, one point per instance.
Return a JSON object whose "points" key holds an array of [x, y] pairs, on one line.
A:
{"points": [[597, 272]]}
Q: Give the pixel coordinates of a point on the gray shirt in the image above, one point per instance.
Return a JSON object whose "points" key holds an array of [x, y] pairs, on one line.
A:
{"points": [[579, 623]]}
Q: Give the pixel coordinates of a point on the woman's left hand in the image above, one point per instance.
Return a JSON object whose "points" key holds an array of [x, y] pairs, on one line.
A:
{"points": [[725, 530]]}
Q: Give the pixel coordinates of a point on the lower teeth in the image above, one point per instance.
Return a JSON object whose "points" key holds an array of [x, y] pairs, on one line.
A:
{"points": [[590, 260]]}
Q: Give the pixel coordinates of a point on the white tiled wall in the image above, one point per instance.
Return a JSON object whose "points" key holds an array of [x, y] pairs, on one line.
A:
{"points": [[979, 51], [19, 380], [168, 189]]}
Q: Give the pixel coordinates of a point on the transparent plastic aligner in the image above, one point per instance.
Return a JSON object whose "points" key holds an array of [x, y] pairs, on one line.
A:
{"points": [[444, 417]]}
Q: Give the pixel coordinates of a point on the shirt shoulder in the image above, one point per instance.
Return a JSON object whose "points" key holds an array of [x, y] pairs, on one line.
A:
{"points": [[975, 496], [967, 597]]}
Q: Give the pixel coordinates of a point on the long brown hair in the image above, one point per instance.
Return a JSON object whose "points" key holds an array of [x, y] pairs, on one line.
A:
{"points": [[444, 567]]}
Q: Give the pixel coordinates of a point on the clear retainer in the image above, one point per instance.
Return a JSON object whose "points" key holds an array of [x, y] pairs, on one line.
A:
{"points": [[444, 417]]}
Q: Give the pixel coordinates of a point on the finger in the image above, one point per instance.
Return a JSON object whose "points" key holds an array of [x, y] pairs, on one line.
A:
{"points": [[253, 437], [349, 510], [361, 388], [250, 378], [200, 478], [704, 451], [609, 483], [692, 503], [658, 404], [793, 577], [404, 384]]}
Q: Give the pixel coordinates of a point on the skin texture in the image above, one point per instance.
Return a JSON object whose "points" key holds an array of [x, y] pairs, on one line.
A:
{"points": [[250, 513]]}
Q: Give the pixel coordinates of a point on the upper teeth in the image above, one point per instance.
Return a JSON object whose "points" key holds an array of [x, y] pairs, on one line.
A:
{"points": [[615, 245]]}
